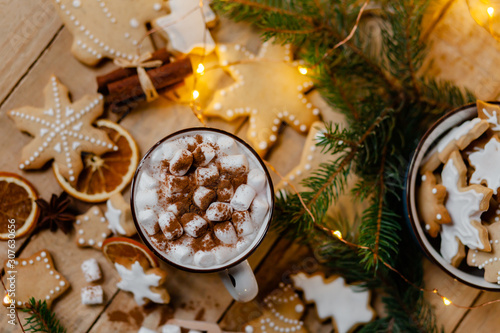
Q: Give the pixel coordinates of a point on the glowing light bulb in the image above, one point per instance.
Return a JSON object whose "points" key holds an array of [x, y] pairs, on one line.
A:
{"points": [[338, 234], [446, 301], [7, 300], [490, 11], [196, 94], [201, 69], [302, 70]]}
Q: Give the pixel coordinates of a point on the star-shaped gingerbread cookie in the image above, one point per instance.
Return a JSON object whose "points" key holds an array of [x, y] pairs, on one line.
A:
{"points": [[335, 299], [489, 261], [268, 88], [108, 28], [431, 207], [35, 277], [491, 113], [282, 313], [186, 26], [91, 228], [465, 204], [62, 131]]}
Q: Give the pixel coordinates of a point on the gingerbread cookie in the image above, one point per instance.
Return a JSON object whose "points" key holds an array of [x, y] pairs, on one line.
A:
{"points": [[485, 162], [347, 306], [91, 228], [143, 281], [276, 94], [36, 277], [489, 261], [458, 138], [490, 113], [108, 28], [465, 204], [186, 26], [62, 131], [282, 313], [119, 216], [431, 207]]}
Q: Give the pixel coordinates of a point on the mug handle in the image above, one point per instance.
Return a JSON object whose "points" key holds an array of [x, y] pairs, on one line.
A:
{"points": [[240, 282]]}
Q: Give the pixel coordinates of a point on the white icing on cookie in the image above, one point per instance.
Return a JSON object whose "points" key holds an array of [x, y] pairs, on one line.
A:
{"points": [[457, 133], [485, 162], [113, 216], [137, 282], [492, 119]]}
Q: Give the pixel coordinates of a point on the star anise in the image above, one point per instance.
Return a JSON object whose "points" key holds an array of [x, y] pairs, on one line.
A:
{"points": [[55, 214]]}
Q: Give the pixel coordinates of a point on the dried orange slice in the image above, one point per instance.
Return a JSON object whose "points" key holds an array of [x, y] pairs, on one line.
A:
{"points": [[17, 205], [102, 176], [126, 251]]}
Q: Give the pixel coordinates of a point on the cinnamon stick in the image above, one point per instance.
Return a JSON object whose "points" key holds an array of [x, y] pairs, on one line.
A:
{"points": [[122, 73], [163, 76]]}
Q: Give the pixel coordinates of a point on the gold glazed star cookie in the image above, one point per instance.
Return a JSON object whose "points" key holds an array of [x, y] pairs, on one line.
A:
{"points": [[62, 130], [186, 26], [489, 261], [35, 277], [91, 228], [282, 313], [268, 88], [431, 207], [108, 28], [334, 299]]}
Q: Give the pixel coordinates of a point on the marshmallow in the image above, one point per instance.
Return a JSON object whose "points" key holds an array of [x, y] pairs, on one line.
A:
{"points": [[242, 197], [223, 254], [170, 329], [203, 154], [147, 219], [203, 197], [146, 330], [91, 270], [219, 211], [234, 163], [257, 179], [225, 191], [146, 182], [259, 209], [146, 199], [92, 295], [242, 222], [182, 253], [227, 145], [194, 225], [225, 232], [176, 184], [204, 258], [170, 226], [165, 152], [207, 176], [181, 162]]}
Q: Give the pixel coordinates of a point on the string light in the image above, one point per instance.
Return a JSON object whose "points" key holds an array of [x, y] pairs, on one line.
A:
{"points": [[196, 94], [490, 11], [446, 301], [338, 234], [201, 69], [7, 300], [302, 70]]}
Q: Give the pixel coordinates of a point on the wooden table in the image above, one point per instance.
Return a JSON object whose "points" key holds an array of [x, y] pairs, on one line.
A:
{"points": [[34, 44]]}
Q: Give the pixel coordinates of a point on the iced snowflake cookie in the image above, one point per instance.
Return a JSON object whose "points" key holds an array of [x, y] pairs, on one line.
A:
{"points": [[346, 305], [36, 277], [119, 216], [62, 131], [91, 228], [268, 88], [465, 204], [186, 26], [431, 197], [489, 261], [485, 161], [108, 28], [282, 313]]}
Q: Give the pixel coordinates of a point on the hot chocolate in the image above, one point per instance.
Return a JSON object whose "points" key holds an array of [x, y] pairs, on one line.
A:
{"points": [[202, 199]]}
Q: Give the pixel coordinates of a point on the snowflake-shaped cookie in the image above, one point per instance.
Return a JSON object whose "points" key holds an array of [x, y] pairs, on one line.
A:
{"points": [[489, 261], [36, 277], [186, 26], [465, 204], [282, 313], [144, 283], [268, 88], [347, 306], [91, 228], [62, 131], [108, 28], [431, 207], [485, 162]]}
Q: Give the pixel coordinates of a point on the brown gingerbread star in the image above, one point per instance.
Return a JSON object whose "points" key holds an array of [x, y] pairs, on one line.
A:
{"points": [[431, 207]]}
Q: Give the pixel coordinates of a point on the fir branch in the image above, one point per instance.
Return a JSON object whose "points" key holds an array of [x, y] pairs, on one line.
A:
{"points": [[42, 319]]}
